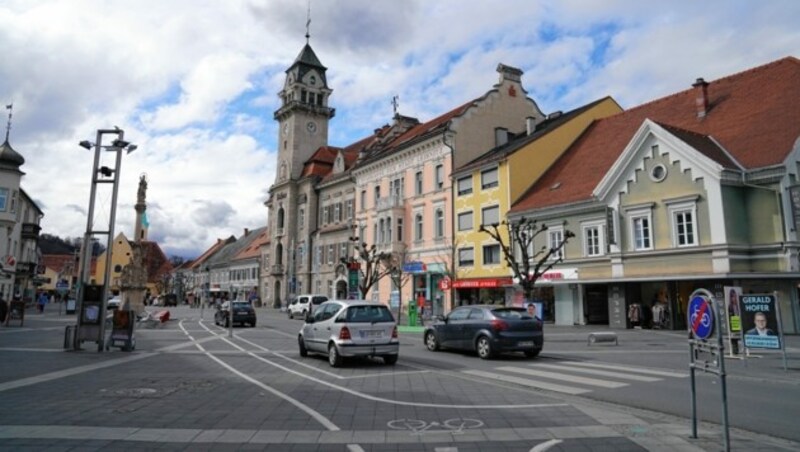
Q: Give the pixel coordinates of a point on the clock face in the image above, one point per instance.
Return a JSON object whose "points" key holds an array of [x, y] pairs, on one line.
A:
{"points": [[311, 126]]}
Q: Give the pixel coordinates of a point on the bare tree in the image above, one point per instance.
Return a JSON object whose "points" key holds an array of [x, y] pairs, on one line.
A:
{"points": [[394, 263], [530, 264], [371, 265]]}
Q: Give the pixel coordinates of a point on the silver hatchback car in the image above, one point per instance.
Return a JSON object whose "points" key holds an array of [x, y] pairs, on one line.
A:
{"points": [[348, 328]]}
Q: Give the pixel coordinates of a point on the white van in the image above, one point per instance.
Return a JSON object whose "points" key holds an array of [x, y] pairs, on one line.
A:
{"points": [[305, 304]]}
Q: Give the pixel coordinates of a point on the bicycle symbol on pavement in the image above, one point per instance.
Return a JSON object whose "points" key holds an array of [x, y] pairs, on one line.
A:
{"points": [[419, 427]]}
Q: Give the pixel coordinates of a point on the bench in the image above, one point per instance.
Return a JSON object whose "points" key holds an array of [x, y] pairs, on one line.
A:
{"points": [[603, 336]]}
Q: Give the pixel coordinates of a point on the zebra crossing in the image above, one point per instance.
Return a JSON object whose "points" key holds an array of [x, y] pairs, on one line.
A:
{"points": [[574, 377]]}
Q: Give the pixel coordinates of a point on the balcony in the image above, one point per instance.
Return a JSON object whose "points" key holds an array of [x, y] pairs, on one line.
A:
{"points": [[389, 202], [276, 269], [30, 231], [391, 247]]}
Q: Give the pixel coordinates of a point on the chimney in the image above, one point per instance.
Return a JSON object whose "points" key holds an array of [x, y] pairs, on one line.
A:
{"points": [[530, 124], [701, 97], [246, 232], [500, 136]]}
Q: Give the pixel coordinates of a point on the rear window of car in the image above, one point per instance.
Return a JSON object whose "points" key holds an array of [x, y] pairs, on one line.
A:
{"points": [[319, 300], [510, 313], [368, 314], [241, 305]]}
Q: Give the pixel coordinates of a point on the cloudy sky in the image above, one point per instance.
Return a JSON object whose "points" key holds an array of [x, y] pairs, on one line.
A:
{"points": [[194, 83]]}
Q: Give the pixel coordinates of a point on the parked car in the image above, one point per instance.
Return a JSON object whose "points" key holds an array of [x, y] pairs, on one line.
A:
{"points": [[488, 330], [349, 328], [304, 305], [243, 314], [114, 302]]}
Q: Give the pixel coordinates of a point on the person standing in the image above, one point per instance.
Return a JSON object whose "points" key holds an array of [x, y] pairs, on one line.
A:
{"points": [[42, 302]]}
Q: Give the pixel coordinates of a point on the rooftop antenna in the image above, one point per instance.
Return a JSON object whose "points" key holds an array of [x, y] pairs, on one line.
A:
{"points": [[395, 103], [308, 22], [9, 107]]}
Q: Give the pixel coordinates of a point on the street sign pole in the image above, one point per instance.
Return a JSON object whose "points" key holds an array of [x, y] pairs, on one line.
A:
{"points": [[707, 355]]}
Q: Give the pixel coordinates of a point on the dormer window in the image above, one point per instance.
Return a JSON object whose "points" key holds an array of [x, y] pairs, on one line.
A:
{"points": [[312, 80]]}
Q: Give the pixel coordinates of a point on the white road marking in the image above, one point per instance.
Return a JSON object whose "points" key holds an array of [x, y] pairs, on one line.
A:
{"points": [[564, 377], [381, 399], [602, 373], [662, 373], [527, 382], [545, 445]]}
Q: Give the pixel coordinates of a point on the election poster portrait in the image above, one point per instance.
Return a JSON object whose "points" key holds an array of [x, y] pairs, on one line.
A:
{"points": [[733, 308], [760, 321]]}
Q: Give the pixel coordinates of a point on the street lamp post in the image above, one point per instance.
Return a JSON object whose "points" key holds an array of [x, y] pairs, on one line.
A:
{"points": [[100, 175]]}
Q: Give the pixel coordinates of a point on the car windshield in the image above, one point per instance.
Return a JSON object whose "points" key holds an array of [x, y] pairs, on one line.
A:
{"points": [[511, 313], [368, 314]]}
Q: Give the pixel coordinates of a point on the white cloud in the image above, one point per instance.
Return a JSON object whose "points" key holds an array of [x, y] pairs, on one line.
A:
{"points": [[194, 82]]}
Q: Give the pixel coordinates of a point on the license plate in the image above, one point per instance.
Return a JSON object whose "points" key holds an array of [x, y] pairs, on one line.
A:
{"points": [[371, 333], [241, 312], [525, 344]]}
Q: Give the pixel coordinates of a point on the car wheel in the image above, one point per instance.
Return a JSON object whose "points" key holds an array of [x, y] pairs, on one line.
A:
{"points": [[532, 353], [484, 348], [389, 360], [290, 315], [431, 342], [334, 358], [302, 345]]}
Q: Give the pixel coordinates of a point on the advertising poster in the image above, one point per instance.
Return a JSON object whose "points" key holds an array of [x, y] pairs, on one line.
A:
{"points": [[759, 321], [733, 308]]}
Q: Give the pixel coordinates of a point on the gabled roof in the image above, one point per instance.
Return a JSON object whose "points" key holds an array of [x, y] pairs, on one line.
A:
{"points": [[253, 249], [519, 141], [57, 262], [210, 252], [753, 115], [155, 261], [230, 250]]}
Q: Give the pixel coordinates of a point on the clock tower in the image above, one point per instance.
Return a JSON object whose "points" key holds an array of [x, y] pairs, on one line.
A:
{"points": [[303, 115]]}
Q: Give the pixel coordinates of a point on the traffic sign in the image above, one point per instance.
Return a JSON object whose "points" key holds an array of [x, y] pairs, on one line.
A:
{"points": [[701, 317], [444, 283]]}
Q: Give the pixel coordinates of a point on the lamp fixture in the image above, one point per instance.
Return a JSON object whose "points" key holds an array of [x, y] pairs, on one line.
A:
{"points": [[86, 144]]}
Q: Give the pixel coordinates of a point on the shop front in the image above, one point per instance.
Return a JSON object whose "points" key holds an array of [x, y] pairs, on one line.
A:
{"points": [[483, 291], [427, 288]]}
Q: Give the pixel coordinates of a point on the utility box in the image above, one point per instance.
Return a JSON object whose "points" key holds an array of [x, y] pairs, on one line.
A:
{"points": [[412, 313]]}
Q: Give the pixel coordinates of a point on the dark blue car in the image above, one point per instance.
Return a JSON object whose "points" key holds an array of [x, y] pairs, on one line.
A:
{"points": [[488, 330]]}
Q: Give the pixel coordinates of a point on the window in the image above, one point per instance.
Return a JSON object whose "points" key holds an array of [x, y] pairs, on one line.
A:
{"points": [[330, 254], [301, 218], [343, 249], [642, 238], [389, 230], [396, 188], [593, 240], [465, 186], [4, 195], [684, 227], [439, 223], [490, 215], [491, 254], [465, 221], [381, 231], [13, 208], [489, 179], [363, 200], [418, 227], [348, 209], [439, 176], [337, 212], [377, 194], [554, 237], [418, 183], [466, 257], [400, 237]]}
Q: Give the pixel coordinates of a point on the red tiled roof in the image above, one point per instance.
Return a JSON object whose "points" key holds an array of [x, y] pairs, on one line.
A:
{"points": [[254, 248], [754, 115], [210, 251], [57, 262], [155, 261]]}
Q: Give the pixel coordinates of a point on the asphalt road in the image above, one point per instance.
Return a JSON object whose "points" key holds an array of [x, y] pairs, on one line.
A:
{"points": [[189, 386]]}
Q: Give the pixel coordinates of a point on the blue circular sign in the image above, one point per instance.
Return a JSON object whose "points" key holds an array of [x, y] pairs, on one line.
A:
{"points": [[701, 317]]}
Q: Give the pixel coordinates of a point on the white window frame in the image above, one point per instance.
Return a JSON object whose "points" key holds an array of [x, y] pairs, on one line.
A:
{"points": [[418, 183], [499, 254], [439, 175], [438, 218], [483, 214], [556, 231], [640, 214], [464, 191], [419, 227], [588, 247], [472, 250], [471, 220], [330, 254], [675, 210]]}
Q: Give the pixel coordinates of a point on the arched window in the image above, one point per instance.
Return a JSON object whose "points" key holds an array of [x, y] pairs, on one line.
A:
{"points": [[279, 254], [418, 227], [280, 218]]}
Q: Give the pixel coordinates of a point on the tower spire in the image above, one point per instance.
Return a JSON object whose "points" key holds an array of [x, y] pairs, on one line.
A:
{"points": [[308, 22], [9, 107]]}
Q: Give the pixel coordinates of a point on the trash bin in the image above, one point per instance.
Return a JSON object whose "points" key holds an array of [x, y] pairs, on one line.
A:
{"points": [[412, 313]]}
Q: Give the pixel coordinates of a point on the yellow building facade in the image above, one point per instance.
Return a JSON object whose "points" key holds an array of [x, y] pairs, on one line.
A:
{"points": [[484, 189], [120, 257]]}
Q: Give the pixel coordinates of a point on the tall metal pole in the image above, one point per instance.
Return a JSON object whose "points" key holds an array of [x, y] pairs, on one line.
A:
{"points": [[86, 253]]}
